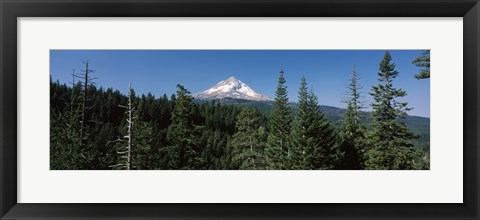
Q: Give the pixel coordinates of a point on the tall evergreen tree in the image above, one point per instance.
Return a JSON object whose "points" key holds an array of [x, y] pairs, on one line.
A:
{"points": [[144, 155], [297, 157], [279, 128], [321, 150], [353, 130], [423, 61], [390, 139], [249, 141], [182, 133], [65, 152]]}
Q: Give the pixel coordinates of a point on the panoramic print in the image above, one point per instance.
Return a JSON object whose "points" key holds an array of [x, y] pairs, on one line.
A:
{"points": [[239, 109]]}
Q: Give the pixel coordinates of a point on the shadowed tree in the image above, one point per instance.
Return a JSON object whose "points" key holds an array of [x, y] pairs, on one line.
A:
{"points": [[352, 132], [321, 150], [182, 133]]}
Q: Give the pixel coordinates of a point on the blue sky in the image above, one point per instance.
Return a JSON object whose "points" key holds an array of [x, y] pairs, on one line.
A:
{"points": [[327, 71]]}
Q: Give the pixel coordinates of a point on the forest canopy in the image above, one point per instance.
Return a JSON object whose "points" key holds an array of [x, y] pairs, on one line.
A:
{"points": [[92, 128]]}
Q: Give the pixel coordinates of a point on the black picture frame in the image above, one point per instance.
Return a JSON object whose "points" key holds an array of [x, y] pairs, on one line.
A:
{"points": [[10, 10]]}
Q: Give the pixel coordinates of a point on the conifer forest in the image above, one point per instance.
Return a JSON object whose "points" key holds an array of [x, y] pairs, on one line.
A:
{"points": [[97, 128]]}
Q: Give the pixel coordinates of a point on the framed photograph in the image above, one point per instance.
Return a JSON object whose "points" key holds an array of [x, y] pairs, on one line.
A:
{"points": [[224, 109]]}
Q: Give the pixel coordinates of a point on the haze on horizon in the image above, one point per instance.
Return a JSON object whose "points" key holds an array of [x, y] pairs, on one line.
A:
{"points": [[327, 71]]}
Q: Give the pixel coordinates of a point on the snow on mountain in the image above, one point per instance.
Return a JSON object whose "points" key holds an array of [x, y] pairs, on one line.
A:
{"points": [[231, 88]]}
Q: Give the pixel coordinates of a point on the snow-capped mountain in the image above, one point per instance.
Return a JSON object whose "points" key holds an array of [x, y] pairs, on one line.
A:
{"points": [[231, 88]]}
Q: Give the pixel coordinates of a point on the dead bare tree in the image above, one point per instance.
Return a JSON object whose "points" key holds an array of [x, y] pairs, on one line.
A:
{"points": [[126, 152], [74, 106], [86, 82]]}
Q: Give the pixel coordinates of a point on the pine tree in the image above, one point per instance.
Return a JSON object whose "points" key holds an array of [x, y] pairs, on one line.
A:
{"points": [[297, 157], [353, 130], [248, 142], [423, 61], [279, 128], [390, 139], [143, 154], [182, 133], [321, 151], [65, 153], [64, 142]]}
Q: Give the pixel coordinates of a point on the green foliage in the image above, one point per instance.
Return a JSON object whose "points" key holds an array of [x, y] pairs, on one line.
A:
{"points": [[178, 132], [143, 150], [218, 126], [280, 123], [153, 119], [183, 134], [418, 125], [249, 141], [423, 61], [313, 138], [299, 156], [322, 144], [65, 150], [352, 135], [390, 140]]}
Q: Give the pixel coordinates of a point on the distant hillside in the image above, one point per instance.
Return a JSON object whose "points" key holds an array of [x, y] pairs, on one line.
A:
{"points": [[418, 125]]}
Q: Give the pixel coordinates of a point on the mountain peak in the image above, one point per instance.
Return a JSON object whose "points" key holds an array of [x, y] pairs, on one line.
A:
{"points": [[232, 81], [231, 88]]}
